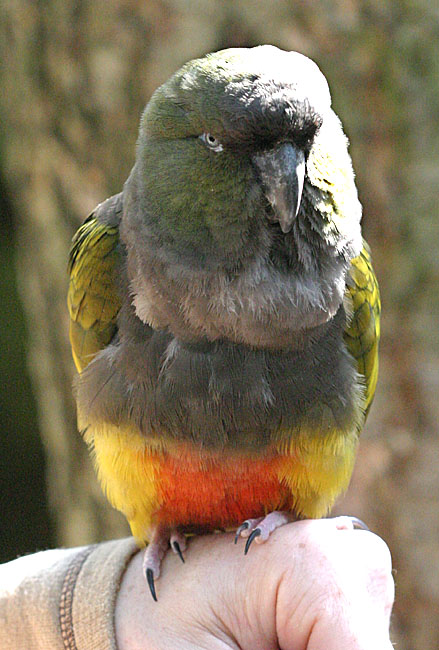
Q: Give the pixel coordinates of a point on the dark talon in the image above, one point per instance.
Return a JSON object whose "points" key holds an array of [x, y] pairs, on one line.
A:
{"points": [[176, 547], [150, 580], [242, 527], [358, 523], [253, 535]]}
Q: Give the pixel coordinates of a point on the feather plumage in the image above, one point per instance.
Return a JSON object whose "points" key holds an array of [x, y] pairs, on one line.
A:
{"points": [[227, 365]]}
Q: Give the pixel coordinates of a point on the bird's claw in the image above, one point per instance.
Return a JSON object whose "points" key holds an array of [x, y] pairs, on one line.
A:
{"points": [[242, 527], [359, 523], [149, 575], [255, 533], [176, 548]]}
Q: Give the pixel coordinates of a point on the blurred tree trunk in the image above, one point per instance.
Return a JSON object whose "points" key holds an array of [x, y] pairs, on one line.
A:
{"points": [[76, 76]]}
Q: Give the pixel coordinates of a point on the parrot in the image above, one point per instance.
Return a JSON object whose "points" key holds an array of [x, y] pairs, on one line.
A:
{"points": [[224, 311]]}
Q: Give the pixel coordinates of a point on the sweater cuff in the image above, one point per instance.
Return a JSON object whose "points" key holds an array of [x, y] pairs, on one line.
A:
{"points": [[89, 593]]}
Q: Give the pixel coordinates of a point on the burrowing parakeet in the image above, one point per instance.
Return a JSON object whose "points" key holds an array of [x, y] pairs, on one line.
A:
{"points": [[224, 310]]}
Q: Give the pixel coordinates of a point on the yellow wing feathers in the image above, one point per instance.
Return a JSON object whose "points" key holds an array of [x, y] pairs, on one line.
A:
{"points": [[93, 300], [363, 330]]}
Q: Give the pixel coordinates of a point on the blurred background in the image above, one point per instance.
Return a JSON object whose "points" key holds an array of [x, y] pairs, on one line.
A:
{"points": [[75, 77]]}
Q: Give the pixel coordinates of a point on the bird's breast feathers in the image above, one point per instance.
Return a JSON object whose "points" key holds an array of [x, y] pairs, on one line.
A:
{"points": [[218, 395], [202, 491]]}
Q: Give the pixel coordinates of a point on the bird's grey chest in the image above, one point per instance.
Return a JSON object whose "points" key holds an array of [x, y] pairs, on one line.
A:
{"points": [[262, 306], [221, 394]]}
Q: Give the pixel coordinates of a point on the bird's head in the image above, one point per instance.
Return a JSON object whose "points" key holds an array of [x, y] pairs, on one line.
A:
{"points": [[237, 140], [241, 207]]}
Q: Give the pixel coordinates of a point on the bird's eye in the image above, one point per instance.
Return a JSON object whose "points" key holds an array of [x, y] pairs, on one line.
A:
{"points": [[211, 142]]}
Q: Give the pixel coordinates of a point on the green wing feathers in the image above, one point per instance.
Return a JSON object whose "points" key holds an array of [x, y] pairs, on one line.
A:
{"points": [[363, 330], [93, 300]]}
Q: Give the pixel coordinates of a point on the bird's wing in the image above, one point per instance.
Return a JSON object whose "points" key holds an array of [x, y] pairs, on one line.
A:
{"points": [[93, 299], [362, 332]]}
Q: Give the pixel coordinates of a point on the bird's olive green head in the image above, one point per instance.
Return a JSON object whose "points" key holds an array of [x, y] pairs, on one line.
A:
{"points": [[238, 142]]}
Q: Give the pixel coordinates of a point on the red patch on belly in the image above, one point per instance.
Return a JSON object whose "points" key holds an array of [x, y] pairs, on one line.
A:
{"points": [[209, 493]]}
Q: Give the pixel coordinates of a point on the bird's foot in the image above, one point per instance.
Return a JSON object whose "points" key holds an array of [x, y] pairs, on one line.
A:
{"points": [[161, 539], [260, 529]]}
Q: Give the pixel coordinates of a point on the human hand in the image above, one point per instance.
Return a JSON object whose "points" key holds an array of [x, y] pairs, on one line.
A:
{"points": [[314, 585]]}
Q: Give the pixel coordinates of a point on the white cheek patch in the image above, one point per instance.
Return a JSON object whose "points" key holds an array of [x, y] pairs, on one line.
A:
{"points": [[142, 308], [145, 305]]}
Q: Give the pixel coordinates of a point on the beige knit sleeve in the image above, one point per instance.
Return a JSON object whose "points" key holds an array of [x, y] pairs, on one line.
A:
{"points": [[62, 599]]}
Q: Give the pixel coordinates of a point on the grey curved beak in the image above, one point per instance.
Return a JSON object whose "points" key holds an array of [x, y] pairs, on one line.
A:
{"points": [[282, 172]]}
